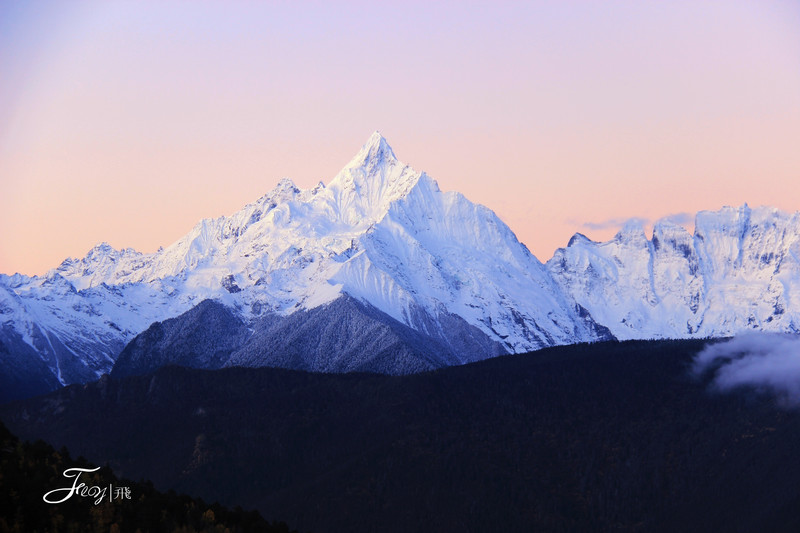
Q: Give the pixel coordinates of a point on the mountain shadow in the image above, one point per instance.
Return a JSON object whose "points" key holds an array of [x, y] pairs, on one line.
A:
{"points": [[24, 373], [345, 335]]}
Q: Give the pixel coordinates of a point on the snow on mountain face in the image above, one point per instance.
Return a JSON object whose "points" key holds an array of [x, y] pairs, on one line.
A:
{"points": [[465, 261], [739, 271], [78, 334], [380, 232]]}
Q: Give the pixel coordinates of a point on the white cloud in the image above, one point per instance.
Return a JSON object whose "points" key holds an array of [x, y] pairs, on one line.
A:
{"points": [[681, 218], [615, 223], [764, 361]]}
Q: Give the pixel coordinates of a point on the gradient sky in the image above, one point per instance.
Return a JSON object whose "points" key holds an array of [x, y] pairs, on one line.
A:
{"points": [[128, 122]]}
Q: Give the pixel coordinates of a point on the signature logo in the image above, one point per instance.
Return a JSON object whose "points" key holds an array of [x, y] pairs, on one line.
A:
{"points": [[78, 488]]}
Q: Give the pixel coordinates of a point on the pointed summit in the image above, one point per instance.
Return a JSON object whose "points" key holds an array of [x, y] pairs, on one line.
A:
{"points": [[377, 143], [376, 150], [371, 181]]}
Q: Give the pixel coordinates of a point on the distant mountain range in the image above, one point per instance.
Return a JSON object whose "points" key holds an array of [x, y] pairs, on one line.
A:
{"points": [[380, 271]]}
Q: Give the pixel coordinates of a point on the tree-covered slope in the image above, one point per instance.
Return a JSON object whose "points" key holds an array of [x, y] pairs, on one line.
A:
{"points": [[28, 471], [604, 437]]}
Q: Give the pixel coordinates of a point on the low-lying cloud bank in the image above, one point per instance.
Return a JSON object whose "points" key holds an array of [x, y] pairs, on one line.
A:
{"points": [[764, 361]]}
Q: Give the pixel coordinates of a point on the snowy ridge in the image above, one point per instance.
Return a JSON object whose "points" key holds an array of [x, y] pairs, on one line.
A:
{"points": [[739, 271], [78, 334]]}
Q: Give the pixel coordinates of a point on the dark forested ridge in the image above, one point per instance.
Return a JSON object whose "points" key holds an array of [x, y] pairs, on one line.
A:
{"points": [[604, 437]]}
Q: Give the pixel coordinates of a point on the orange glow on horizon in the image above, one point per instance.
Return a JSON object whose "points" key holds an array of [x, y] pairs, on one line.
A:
{"points": [[128, 123]]}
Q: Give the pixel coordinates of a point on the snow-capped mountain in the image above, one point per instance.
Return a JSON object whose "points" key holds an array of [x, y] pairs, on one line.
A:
{"points": [[740, 270], [380, 233], [381, 271]]}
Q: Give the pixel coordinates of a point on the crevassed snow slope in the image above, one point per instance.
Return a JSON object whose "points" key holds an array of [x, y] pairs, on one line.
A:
{"points": [[739, 271]]}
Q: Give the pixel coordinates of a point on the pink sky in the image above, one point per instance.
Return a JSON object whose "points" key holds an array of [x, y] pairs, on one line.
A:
{"points": [[128, 122]]}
